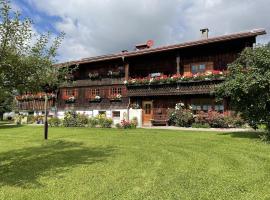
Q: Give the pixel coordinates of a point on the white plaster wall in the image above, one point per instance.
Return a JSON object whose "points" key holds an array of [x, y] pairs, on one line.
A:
{"points": [[85, 112], [94, 113], [136, 113], [60, 114], [123, 116]]}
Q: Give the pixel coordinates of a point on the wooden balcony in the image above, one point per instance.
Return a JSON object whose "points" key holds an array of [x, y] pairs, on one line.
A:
{"points": [[87, 104], [98, 82], [34, 105], [183, 88]]}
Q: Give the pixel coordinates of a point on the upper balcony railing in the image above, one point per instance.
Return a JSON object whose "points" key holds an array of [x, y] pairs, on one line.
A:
{"points": [[95, 82], [203, 83]]}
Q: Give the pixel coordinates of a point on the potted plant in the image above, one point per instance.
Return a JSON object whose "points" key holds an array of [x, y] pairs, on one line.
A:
{"points": [[117, 97], [96, 99], [71, 99], [94, 76]]}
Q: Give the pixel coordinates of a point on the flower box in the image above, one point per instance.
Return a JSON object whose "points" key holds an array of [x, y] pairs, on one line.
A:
{"points": [[94, 100], [115, 98], [206, 76], [70, 100]]}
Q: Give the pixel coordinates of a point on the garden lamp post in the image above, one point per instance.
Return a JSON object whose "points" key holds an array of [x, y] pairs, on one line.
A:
{"points": [[46, 89]]}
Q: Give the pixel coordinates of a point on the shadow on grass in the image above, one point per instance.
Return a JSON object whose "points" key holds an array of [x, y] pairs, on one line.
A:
{"points": [[250, 134], [8, 126], [24, 167]]}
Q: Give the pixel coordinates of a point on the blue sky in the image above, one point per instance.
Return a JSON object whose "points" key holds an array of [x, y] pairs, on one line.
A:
{"points": [[95, 27]]}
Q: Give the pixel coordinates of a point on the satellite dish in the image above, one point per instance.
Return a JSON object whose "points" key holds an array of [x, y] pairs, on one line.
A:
{"points": [[150, 43]]}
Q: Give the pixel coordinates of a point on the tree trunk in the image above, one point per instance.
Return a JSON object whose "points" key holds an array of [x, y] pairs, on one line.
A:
{"points": [[1, 116]]}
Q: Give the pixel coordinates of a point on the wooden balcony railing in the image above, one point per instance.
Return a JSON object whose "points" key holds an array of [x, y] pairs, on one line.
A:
{"points": [[99, 82], [87, 104], [34, 105], [187, 88]]}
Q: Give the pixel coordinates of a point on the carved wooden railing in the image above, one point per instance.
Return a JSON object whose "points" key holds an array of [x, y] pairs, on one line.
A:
{"points": [[86, 104], [183, 88], [34, 105], [99, 82]]}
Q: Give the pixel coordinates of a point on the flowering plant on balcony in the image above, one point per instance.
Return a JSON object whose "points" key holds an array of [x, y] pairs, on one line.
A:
{"points": [[114, 74], [116, 97], [31, 97], [94, 76], [164, 79], [95, 99], [71, 99]]}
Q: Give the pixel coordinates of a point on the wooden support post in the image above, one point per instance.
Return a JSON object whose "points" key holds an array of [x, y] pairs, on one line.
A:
{"points": [[177, 64], [126, 71]]}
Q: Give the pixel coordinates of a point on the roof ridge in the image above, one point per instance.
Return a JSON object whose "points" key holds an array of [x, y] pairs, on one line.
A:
{"points": [[224, 37]]}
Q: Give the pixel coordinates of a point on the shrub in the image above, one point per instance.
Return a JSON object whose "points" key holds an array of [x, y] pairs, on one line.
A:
{"points": [[127, 124], [235, 121], [199, 125], [70, 119], [118, 125], [18, 119], [134, 122], [216, 120], [104, 122], [92, 122], [201, 117], [39, 119], [82, 120], [54, 122], [30, 119], [180, 116]]}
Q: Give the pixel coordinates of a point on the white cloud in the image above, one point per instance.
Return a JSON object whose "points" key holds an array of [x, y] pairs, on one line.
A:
{"points": [[105, 26]]}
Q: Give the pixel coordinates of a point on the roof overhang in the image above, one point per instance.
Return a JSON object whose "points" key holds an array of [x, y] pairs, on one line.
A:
{"points": [[211, 40]]}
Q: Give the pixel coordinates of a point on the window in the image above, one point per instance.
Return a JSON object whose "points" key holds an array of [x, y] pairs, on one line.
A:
{"points": [[219, 108], [116, 114], [70, 92], [199, 68], [206, 104], [94, 92], [115, 91], [148, 108], [201, 104]]}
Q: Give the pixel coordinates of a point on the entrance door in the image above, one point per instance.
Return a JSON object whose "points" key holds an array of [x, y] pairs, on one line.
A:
{"points": [[147, 107]]}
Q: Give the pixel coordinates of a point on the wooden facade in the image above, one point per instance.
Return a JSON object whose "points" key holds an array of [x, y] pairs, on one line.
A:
{"points": [[99, 80]]}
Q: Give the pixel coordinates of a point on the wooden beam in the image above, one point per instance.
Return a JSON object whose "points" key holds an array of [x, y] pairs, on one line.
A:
{"points": [[178, 64], [126, 71]]}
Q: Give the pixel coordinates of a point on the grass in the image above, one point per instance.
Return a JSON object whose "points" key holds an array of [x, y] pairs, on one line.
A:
{"points": [[82, 163]]}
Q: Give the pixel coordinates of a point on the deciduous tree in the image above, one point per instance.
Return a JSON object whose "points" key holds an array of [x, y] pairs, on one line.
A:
{"points": [[248, 86]]}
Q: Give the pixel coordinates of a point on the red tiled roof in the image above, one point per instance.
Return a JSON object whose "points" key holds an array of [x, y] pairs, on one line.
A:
{"points": [[252, 33]]}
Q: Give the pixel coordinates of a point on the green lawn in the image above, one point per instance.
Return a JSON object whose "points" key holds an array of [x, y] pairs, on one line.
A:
{"points": [[82, 163]]}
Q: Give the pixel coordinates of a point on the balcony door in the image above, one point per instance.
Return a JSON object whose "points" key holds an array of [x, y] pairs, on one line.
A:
{"points": [[147, 107]]}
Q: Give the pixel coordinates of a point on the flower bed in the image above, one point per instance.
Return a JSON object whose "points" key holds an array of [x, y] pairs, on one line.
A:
{"points": [[164, 79]]}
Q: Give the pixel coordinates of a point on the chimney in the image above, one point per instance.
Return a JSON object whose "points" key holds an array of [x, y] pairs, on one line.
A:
{"points": [[205, 32]]}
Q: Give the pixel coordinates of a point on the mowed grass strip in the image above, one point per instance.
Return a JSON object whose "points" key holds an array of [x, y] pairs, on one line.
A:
{"points": [[84, 163]]}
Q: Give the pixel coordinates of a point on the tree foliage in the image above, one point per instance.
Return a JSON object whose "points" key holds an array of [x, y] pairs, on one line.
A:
{"points": [[26, 59], [248, 85]]}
